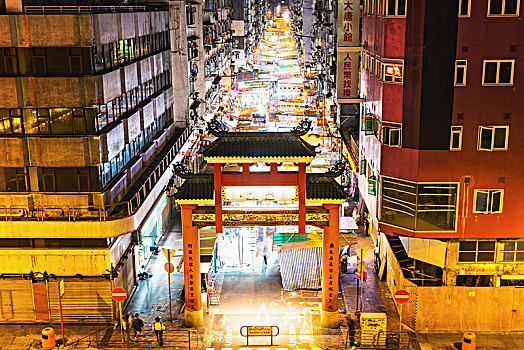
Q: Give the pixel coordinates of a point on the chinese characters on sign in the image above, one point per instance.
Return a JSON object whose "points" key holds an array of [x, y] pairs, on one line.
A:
{"points": [[332, 281], [348, 23], [240, 218], [191, 277], [348, 41]]}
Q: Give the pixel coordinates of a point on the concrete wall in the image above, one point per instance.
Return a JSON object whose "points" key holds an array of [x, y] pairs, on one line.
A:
{"points": [[61, 262]]}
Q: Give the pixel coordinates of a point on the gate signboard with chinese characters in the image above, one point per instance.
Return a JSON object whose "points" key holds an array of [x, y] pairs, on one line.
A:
{"points": [[205, 216], [348, 51]]}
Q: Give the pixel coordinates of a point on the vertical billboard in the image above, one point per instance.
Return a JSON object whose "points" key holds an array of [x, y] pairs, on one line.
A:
{"points": [[348, 50]]}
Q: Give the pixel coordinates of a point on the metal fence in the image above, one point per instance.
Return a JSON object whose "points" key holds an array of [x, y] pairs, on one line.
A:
{"points": [[380, 340], [174, 338], [82, 9]]}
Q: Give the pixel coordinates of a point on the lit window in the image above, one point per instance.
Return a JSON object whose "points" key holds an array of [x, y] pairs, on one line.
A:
{"points": [[396, 7], [477, 251], [461, 68], [512, 251], [493, 138], [464, 8], [455, 143], [393, 72], [488, 201], [498, 72], [503, 8], [392, 134]]}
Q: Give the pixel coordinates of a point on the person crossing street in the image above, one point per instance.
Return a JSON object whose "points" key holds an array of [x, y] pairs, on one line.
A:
{"points": [[159, 329], [137, 326]]}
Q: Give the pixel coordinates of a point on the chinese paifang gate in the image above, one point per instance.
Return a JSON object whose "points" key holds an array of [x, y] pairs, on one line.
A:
{"points": [[319, 198]]}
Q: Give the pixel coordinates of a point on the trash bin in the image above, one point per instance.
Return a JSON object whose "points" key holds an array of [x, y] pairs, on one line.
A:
{"points": [[48, 338], [469, 341]]}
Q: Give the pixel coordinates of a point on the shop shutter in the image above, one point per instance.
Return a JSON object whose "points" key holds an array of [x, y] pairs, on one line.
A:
{"points": [[84, 301], [16, 301]]}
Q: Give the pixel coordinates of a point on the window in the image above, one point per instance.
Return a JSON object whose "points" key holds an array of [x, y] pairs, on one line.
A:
{"points": [[418, 206], [503, 8], [488, 201], [493, 138], [396, 7], [393, 72], [498, 72], [464, 8], [513, 251], [369, 125], [455, 143], [461, 67], [391, 134], [477, 251], [14, 179]]}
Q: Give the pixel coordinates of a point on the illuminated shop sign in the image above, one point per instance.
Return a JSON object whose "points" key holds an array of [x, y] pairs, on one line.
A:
{"points": [[259, 193], [348, 49], [393, 72], [247, 75]]}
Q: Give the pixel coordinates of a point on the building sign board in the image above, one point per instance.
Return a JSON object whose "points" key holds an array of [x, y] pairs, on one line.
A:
{"points": [[348, 46], [348, 74], [348, 23]]}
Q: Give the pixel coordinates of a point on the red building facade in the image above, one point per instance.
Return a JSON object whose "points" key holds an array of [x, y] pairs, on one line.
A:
{"points": [[441, 126]]}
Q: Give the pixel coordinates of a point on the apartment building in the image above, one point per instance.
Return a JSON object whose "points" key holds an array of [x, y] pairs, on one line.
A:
{"points": [[440, 167], [88, 131]]}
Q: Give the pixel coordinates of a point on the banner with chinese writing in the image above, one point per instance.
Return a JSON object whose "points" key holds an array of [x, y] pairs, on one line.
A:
{"points": [[348, 74], [348, 23]]}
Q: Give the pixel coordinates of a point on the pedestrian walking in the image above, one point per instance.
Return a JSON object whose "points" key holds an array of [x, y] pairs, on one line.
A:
{"points": [[159, 329], [137, 325], [126, 325]]}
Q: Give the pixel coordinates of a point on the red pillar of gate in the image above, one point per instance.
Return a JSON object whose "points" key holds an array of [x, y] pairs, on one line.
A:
{"points": [[302, 197], [330, 250], [193, 314], [217, 176]]}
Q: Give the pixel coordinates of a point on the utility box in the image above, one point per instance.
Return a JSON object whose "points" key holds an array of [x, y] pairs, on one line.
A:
{"points": [[373, 329], [48, 338]]}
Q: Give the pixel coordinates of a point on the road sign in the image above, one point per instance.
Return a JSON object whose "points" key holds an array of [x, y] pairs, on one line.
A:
{"points": [[169, 267], [169, 253], [361, 252], [401, 296], [119, 294]]}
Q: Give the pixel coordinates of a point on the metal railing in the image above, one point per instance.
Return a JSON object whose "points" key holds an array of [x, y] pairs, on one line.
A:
{"points": [[173, 338], [101, 213], [383, 340], [82, 9]]}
